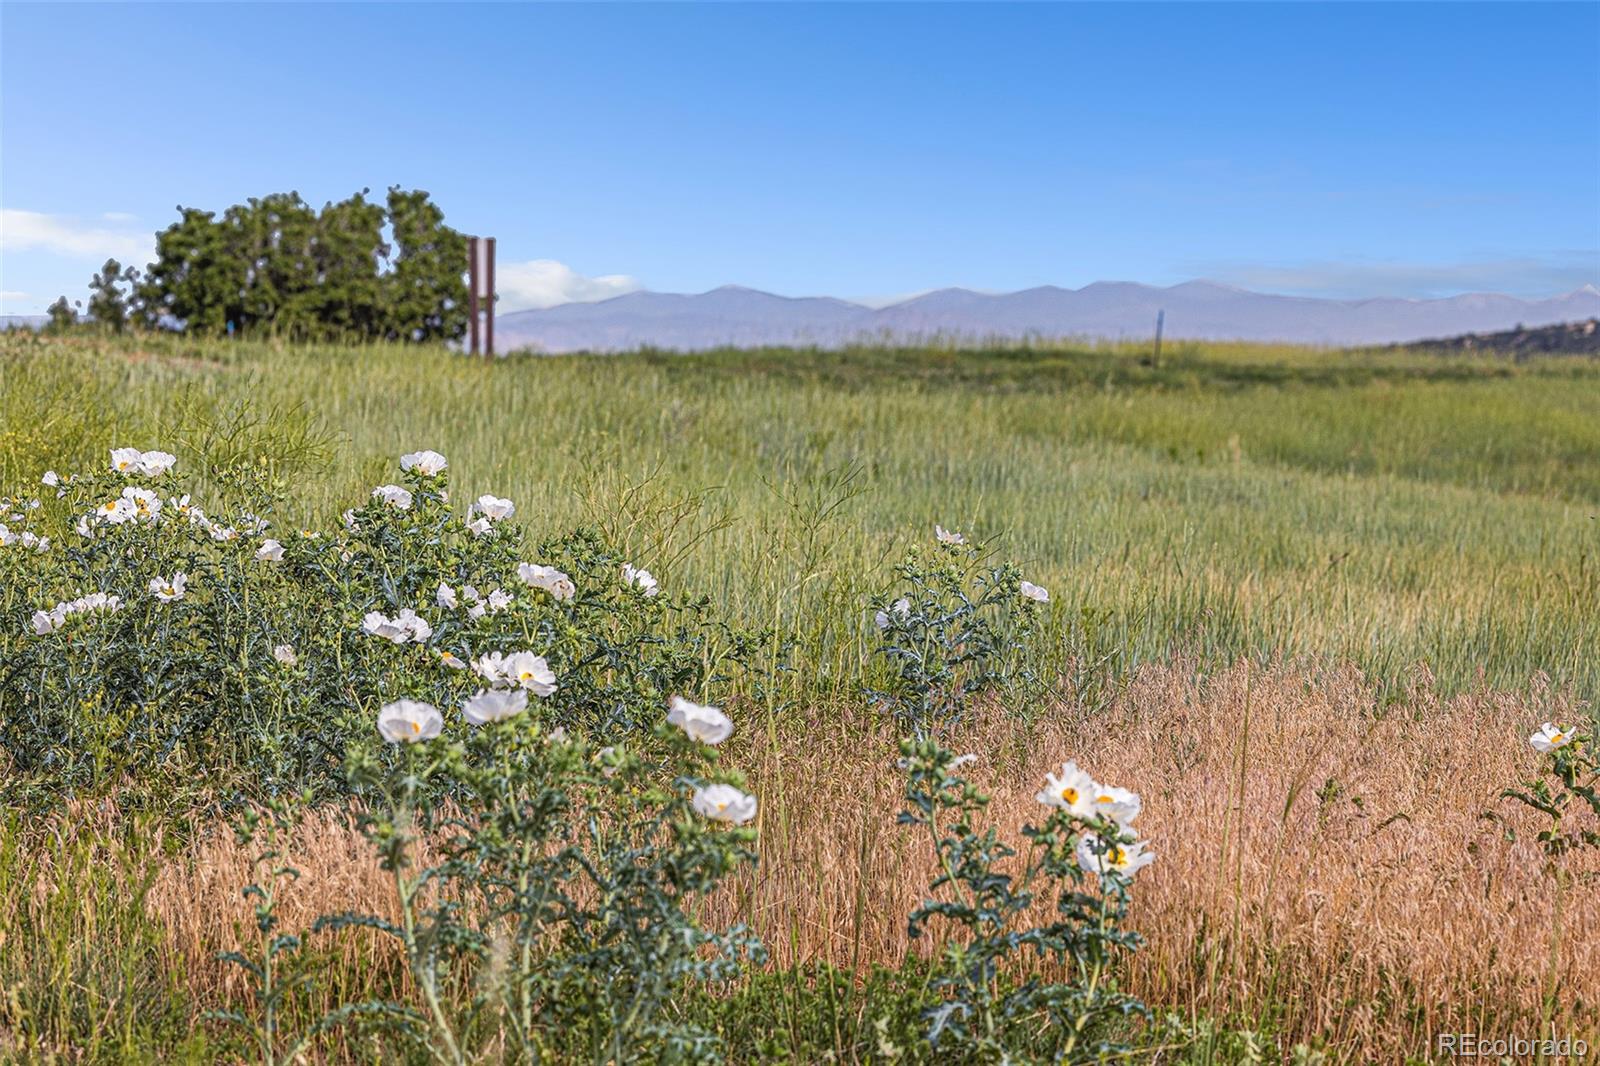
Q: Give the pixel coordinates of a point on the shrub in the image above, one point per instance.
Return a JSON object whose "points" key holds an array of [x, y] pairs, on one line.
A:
{"points": [[956, 632], [158, 635]]}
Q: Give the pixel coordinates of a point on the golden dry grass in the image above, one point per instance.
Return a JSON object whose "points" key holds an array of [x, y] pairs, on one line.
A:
{"points": [[1324, 867]]}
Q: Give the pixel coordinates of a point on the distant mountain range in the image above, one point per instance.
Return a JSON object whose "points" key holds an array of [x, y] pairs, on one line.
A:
{"points": [[1196, 310]]}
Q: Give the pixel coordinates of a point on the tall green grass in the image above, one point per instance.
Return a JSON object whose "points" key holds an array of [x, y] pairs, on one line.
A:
{"points": [[1393, 510]]}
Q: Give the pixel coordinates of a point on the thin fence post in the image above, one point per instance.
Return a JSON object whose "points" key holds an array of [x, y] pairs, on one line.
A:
{"points": [[472, 291], [488, 296]]}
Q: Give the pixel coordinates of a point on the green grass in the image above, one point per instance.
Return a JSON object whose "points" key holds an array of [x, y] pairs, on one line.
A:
{"points": [[1385, 508]]}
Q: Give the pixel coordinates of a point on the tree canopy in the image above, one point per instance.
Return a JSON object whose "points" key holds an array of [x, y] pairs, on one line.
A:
{"points": [[356, 270]]}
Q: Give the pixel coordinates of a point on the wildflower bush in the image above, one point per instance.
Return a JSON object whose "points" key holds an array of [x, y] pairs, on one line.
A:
{"points": [[521, 716], [956, 632], [1567, 786], [161, 634], [519, 732], [566, 882]]}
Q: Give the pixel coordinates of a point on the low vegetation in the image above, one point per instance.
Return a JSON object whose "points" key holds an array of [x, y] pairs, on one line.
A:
{"points": [[762, 706]]}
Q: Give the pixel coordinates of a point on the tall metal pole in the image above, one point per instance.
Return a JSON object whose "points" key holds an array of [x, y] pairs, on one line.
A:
{"points": [[1161, 318], [488, 296], [472, 290]]}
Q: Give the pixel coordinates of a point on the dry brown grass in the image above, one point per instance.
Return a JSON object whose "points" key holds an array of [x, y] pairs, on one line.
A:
{"points": [[1323, 867]]}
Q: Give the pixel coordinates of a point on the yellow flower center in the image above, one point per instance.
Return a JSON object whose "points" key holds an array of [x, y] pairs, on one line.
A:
{"points": [[1069, 794], [1104, 799], [1556, 738], [416, 727], [1116, 856], [722, 806]]}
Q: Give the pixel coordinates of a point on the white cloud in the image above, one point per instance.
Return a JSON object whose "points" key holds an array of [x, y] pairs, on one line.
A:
{"points": [[546, 283], [67, 236]]}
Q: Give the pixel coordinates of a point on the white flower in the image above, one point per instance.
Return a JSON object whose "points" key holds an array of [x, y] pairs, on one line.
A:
{"points": [[1118, 804], [491, 667], [494, 705], [946, 536], [115, 512], [450, 659], [126, 460], [529, 671], [349, 519], [146, 504], [494, 508], [1033, 592], [445, 596], [51, 478], [167, 589], [394, 496], [154, 464], [37, 543], [548, 578], [270, 551], [706, 724], [378, 624], [499, 600], [46, 622], [403, 627], [284, 653], [479, 526], [963, 760], [724, 803], [7, 538], [425, 463], [409, 721], [415, 625], [229, 533], [641, 577], [1550, 737], [83, 527], [1073, 791], [133, 461], [901, 607], [1103, 857]]}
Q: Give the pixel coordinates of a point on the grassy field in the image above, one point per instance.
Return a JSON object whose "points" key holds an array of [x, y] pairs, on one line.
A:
{"points": [[1311, 602], [1384, 510]]}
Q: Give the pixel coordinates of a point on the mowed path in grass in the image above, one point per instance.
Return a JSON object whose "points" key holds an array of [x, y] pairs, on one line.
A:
{"points": [[1383, 509]]}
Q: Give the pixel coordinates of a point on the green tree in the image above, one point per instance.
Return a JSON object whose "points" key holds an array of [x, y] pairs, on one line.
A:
{"points": [[62, 317], [427, 290], [198, 277], [272, 264], [110, 295], [348, 299]]}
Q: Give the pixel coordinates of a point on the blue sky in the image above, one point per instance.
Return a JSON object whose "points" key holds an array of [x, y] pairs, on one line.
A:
{"points": [[863, 151]]}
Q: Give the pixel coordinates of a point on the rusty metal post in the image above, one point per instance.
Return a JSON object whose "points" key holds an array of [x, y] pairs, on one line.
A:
{"points": [[472, 291], [488, 297]]}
